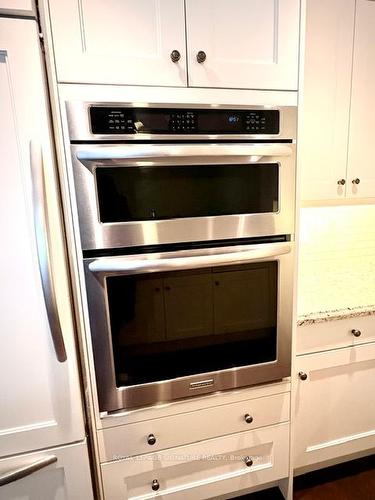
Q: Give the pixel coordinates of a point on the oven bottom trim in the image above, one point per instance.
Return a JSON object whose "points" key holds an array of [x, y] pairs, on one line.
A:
{"points": [[195, 385]]}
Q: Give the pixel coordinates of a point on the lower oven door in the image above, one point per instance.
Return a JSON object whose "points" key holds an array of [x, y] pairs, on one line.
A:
{"points": [[177, 324], [150, 194]]}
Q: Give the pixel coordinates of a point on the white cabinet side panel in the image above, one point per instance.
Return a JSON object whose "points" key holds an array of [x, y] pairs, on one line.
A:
{"points": [[39, 396]]}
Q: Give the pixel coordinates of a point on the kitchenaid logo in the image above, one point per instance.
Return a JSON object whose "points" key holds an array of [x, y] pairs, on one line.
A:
{"points": [[202, 383]]}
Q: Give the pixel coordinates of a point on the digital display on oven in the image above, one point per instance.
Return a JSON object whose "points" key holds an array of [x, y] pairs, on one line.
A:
{"points": [[167, 121], [221, 122]]}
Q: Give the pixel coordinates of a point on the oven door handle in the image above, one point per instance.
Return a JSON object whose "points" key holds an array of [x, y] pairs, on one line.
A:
{"points": [[113, 154], [128, 265]]}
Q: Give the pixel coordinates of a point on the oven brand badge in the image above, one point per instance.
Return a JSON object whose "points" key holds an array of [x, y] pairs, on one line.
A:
{"points": [[202, 383]]}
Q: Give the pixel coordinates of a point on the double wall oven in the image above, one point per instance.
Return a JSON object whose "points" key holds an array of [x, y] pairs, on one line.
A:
{"points": [[186, 221]]}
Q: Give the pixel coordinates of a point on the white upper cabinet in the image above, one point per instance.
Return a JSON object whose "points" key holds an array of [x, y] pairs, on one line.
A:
{"points": [[20, 7], [325, 103], [40, 396], [361, 159], [119, 42], [247, 43], [337, 100]]}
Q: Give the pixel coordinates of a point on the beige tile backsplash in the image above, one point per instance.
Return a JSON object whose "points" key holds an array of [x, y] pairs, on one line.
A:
{"points": [[337, 258]]}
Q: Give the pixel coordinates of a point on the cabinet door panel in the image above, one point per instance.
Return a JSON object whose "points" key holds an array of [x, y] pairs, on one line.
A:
{"points": [[117, 42], [361, 162], [252, 303], [335, 408], [19, 7], [39, 396], [248, 43], [325, 102], [188, 306], [145, 322], [68, 478]]}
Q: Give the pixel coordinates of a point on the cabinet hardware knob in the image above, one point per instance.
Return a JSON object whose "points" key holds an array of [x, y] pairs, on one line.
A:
{"points": [[356, 333], [248, 461], [201, 56], [151, 439], [217, 283], [356, 181], [167, 288], [248, 418], [341, 182], [155, 485], [157, 289], [175, 56], [302, 375]]}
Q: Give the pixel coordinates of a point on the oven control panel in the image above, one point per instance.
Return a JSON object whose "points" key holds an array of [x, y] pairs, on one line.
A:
{"points": [[106, 120]]}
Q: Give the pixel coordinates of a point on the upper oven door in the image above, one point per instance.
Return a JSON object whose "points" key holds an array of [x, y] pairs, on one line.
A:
{"points": [[149, 194]]}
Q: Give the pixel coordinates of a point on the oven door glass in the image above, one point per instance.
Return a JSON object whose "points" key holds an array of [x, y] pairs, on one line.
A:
{"points": [[142, 193], [181, 323]]}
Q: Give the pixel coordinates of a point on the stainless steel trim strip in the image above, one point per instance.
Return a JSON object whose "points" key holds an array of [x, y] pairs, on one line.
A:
{"points": [[145, 151], [26, 470], [43, 248], [124, 266]]}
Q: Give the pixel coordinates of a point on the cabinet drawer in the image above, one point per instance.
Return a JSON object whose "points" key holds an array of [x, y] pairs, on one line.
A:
{"points": [[334, 334], [132, 439], [202, 470]]}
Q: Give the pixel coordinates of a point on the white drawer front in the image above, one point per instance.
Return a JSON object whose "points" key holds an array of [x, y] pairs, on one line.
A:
{"points": [[334, 334], [202, 470], [132, 439]]}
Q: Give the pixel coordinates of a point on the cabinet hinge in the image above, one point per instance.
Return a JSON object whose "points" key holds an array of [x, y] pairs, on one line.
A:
{"points": [[40, 32], [41, 40]]}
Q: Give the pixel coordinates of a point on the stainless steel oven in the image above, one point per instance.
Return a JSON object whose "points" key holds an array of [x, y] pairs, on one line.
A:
{"points": [[176, 324], [186, 220], [156, 182]]}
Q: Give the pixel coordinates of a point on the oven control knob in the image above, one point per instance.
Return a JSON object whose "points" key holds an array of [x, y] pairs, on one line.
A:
{"points": [[356, 333], [248, 461], [155, 485], [151, 439], [302, 375], [248, 418], [341, 182]]}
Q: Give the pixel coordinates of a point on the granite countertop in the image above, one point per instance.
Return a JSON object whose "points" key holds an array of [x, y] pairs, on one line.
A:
{"points": [[335, 314]]}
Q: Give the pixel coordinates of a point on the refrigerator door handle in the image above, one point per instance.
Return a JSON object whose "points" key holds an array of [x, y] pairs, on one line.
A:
{"points": [[25, 470], [43, 249]]}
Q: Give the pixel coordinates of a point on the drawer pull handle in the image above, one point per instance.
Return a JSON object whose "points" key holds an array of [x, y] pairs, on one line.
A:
{"points": [[248, 461], [356, 333], [302, 375], [155, 485], [151, 439], [248, 418]]}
